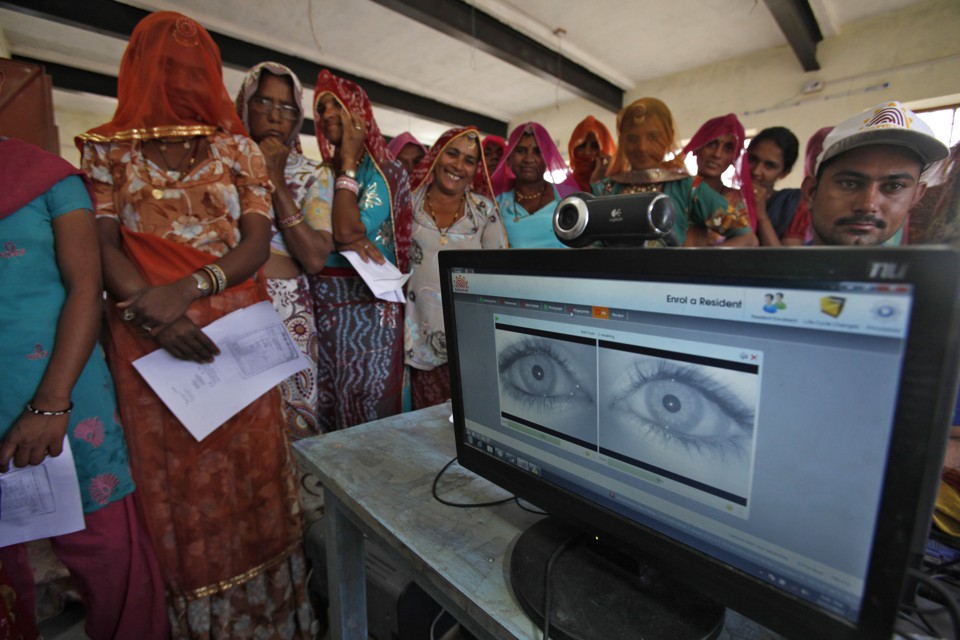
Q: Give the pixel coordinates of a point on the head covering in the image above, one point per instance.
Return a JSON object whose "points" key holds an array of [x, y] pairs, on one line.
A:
{"points": [[27, 172], [637, 112], [813, 151], [608, 146], [396, 145], [170, 84], [497, 140], [723, 126], [503, 178], [355, 100], [799, 227], [423, 173], [249, 86], [886, 123]]}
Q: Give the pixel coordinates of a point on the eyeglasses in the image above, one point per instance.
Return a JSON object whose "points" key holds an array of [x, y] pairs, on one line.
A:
{"points": [[266, 106]]}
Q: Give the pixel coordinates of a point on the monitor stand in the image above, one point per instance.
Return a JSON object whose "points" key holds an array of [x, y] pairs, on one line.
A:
{"points": [[599, 593]]}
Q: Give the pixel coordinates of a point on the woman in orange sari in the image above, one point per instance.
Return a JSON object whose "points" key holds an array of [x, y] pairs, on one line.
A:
{"points": [[183, 207], [590, 146]]}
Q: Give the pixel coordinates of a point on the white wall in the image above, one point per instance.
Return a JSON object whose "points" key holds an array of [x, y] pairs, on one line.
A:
{"points": [[915, 51]]}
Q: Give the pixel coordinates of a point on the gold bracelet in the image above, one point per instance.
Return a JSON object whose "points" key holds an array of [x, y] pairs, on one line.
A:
{"points": [[218, 276]]}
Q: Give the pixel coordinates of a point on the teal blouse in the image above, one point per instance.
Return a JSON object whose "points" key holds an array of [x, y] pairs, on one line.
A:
{"points": [[33, 296], [374, 201]]}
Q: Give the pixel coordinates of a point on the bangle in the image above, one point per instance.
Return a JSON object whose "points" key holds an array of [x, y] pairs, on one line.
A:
{"points": [[218, 276], [204, 283], [344, 182], [40, 412], [290, 221]]}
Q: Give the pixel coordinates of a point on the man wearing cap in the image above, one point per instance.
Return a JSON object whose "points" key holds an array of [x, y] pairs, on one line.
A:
{"points": [[868, 176]]}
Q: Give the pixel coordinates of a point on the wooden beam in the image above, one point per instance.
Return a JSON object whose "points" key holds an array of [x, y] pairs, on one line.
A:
{"points": [[460, 20], [118, 20], [797, 22]]}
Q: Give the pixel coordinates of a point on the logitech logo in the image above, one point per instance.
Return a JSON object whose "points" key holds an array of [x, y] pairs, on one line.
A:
{"points": [[616, 215]]}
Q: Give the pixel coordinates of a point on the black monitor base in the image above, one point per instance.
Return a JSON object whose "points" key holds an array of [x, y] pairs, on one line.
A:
{"points": [[597, 595]]}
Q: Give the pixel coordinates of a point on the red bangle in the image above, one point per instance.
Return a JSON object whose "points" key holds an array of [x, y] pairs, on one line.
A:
{"points": [[290, 221]]}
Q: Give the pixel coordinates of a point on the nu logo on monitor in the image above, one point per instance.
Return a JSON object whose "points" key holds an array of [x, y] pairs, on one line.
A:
{"points": [[888, 270]]}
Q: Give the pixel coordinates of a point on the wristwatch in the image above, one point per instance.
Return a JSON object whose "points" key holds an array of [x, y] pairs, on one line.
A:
{"points": [[350, 173], [203, 284]]}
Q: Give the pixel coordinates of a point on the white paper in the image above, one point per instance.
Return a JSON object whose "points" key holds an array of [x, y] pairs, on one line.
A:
{"points": [[256, 353], [40, 501], [385, 280]]}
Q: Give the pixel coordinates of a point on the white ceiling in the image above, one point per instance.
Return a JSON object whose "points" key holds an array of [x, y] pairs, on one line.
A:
{"points": [[624, 41]]}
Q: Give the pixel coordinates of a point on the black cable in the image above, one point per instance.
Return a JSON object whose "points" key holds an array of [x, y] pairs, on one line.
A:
{"points": [[569, 542], [462, 505], [949, 603], [924, 628], [539, 512]]}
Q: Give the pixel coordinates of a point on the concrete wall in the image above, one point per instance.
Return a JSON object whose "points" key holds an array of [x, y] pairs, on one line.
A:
{"points": [[912, 55]]}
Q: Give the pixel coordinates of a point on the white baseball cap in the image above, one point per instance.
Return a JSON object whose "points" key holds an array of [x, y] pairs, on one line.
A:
{"points": [[886, 123]]}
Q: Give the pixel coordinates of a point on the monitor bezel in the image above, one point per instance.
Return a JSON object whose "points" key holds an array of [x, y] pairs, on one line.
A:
{"points": [[922, 415]]}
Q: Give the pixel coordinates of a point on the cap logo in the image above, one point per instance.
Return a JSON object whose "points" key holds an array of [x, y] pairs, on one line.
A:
{"points": [[887, 117]]}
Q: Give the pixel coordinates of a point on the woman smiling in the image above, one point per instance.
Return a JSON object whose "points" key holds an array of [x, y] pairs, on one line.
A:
{"points": [[452, 209]]}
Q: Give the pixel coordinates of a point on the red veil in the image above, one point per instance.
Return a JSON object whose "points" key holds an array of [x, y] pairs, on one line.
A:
{"points": [[722, 126], [423, 173], [170, 84]]}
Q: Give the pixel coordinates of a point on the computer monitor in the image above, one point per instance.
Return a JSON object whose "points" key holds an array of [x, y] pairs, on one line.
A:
{"points": [[766, 425]]}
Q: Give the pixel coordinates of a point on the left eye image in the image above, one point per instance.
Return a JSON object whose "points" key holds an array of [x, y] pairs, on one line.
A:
{"points": [[549, 384]]}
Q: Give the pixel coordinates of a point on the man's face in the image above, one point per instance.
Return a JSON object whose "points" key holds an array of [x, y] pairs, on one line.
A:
{"points": [[862, 196]]}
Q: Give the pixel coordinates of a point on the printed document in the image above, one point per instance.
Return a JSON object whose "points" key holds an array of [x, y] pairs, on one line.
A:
{"points": [[41, 501], [256, 353], [385, 280]]}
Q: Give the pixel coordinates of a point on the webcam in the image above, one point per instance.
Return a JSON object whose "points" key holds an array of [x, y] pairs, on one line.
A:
{"points": [[582, 219]]}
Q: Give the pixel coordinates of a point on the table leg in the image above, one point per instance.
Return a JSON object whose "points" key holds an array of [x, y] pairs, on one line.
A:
{"points": [[346, 576]]}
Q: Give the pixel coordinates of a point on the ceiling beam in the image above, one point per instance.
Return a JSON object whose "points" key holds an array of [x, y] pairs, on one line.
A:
{"points": [[462, 21], [798, 23], [118, 20]]}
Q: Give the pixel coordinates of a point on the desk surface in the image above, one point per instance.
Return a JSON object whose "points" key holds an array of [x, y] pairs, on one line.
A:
{"points": [[382, 473]]}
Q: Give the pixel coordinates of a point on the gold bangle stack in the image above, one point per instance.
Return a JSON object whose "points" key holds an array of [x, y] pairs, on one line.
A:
{"points": [[217, 276]]}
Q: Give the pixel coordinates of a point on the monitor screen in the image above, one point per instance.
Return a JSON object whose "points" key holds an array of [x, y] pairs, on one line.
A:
{"points": [[767, 424]]}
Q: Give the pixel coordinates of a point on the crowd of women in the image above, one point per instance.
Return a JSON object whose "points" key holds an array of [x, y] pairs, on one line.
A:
{"points": [[202, 205]]}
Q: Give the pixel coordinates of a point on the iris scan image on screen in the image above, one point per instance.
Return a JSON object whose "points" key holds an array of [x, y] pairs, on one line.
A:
{"points": [[548, 381], [686, 417]]}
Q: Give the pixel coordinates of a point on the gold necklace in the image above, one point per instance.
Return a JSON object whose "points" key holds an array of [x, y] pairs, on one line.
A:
{"points": [[190, 158], [519, 197], [433, 215]]}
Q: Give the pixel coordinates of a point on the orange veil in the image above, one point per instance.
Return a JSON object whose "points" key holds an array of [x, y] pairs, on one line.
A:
{"points": [[170, 84]]}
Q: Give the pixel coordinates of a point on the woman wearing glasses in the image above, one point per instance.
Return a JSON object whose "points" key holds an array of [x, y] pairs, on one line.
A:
{"points": [[270, 104]]}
